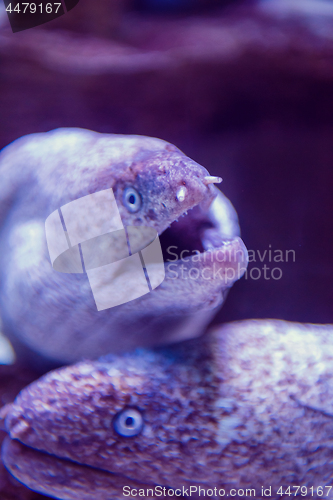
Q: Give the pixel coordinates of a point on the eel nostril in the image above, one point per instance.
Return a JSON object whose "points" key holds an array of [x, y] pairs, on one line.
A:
{"points": [[212, 179]]}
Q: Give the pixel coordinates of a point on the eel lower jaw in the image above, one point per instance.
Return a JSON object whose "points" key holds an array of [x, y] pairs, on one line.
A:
{"points": [[62, 478], [205, 244]]}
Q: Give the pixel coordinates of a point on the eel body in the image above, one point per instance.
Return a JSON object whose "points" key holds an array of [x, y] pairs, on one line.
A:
{"points": [[53, 315], [247, 406]]}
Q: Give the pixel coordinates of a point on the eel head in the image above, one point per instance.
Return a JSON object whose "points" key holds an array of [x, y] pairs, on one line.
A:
{"points": [[137, 420], [155, 185], [247, 405]]}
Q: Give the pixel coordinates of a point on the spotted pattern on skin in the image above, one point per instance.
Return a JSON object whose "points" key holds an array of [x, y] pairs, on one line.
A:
{"points": [[248, 404]]}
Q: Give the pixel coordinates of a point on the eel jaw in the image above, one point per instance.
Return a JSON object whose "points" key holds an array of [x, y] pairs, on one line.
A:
{"points": [[204, 246], [66, 479]]}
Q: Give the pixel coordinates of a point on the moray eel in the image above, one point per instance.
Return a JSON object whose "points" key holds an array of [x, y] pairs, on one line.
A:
{"points": [[53, 315], [247, 406]]}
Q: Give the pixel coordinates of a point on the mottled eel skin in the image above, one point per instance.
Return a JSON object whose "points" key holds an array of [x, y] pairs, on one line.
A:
{"points": [[53, 314], [246, 406]]}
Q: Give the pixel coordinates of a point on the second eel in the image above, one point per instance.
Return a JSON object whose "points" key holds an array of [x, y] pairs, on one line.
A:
{"points": [[246, 410]]}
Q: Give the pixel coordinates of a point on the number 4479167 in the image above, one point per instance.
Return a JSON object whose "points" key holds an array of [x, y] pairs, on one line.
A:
{"points": [[32, 8], [319, 491]]}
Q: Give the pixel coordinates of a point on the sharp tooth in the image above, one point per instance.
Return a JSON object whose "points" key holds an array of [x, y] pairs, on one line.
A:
{"points": [[181, 193], [212, 179]]}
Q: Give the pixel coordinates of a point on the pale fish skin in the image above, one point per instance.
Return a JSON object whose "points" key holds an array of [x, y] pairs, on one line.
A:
{"points": [[53, 315], [247, 405]]}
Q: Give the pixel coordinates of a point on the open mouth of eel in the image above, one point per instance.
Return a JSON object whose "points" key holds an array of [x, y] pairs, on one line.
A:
{"points": [[204, 245]]}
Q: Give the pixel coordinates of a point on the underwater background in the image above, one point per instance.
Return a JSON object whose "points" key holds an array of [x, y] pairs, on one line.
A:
{"points": [[243, 88]]}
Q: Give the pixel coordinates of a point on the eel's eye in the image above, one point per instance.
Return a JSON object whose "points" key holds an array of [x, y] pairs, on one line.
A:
{"points": [[129, 422], [132, 199]]}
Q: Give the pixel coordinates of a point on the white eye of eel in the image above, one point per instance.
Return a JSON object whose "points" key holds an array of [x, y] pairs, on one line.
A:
{"points": [[132, 199], [128, 422]]}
